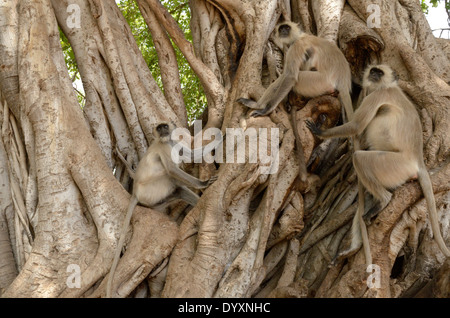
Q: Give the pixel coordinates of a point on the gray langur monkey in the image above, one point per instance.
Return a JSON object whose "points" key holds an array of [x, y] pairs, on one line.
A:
{"points": [[390, 132], [158, 181], [312, 67]]}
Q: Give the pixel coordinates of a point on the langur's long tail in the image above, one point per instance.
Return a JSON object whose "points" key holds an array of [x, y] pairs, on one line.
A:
{"points": [[364, 237], [300, 153], [357, 239], [126, 222], [425, 183], [346, 103], [359, 229]]}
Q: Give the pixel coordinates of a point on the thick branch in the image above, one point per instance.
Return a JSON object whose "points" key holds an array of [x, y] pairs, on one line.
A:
{"points": [[209, 81], [168, 64], [9, 37], [327, 14]]}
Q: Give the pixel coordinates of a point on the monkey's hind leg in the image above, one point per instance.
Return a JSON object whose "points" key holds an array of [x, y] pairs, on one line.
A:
{"points": [[313, 84], [382, 170], [376, 170], [372, 207], [357, 236], [300, 153], [181, 193], [248, 102]]}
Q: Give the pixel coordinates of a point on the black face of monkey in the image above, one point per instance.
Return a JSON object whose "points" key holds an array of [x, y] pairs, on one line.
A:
{"points": [[163, 130], [284, 30], [375, 74]]}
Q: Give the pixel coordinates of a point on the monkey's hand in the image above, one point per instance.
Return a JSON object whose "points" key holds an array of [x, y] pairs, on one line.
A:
{"points": [[248, 102], [313, 127], [258, 113], [211, 180]]}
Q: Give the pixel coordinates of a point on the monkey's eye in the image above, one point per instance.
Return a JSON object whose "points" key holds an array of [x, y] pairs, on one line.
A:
{"points": [[162, 126], [376, 71]]}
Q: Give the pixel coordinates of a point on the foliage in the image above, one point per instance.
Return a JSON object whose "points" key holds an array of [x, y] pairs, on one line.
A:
{"points": [[434, 4], [425, 5], [194, 96]]}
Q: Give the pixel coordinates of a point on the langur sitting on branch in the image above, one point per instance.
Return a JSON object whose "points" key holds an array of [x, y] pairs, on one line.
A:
{"points": [[158, 181]]}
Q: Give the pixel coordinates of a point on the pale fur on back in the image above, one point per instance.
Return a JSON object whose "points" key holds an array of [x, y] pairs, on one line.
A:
{"points": [[326, 56], [151, 173]]}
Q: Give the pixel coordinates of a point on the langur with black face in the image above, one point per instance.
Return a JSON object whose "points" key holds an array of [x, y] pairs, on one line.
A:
{"points": [[388, 127], [158, 181], [312, 67]]}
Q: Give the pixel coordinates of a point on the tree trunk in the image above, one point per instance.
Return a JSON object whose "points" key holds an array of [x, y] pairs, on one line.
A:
{"points": [[64, 191]]}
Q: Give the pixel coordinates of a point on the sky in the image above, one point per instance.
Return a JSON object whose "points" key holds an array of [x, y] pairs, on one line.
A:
{"points": [[437, 18]]}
